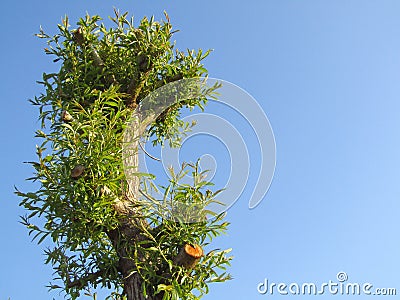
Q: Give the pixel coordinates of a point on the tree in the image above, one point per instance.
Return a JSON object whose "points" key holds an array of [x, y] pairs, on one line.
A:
{"points": [[92, 203]]}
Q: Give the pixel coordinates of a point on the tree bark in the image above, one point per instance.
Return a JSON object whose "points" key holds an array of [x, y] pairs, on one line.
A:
{"points": [[130, 230], [132, 280]]}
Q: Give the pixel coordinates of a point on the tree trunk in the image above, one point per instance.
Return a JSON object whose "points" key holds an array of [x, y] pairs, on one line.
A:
{"points": [[133, 289], [130, 229]]}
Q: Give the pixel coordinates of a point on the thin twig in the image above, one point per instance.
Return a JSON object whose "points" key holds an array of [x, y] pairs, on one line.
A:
{"points": [[81, 281], [147, 153]]}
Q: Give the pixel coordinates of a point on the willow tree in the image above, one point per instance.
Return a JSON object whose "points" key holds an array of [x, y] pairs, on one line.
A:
{"points": [[101, 217]]}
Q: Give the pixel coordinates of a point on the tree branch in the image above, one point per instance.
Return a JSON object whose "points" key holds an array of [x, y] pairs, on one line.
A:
{"points": [[80, 40], [188, 256]]}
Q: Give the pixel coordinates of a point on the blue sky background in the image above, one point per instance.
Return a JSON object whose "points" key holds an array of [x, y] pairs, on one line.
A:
{"points": [[326, 74]]}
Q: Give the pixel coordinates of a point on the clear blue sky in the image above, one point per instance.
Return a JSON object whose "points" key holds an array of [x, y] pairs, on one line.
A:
{"points": [[327, 75]]}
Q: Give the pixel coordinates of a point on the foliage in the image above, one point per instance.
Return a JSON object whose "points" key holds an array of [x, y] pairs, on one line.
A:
{"points": [[104, 74], [173, 229]]}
